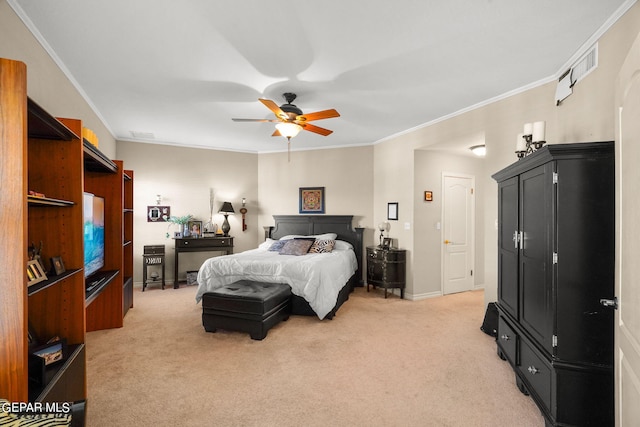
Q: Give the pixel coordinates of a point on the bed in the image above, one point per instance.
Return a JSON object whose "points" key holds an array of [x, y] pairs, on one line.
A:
{"points": [[320, 282]]}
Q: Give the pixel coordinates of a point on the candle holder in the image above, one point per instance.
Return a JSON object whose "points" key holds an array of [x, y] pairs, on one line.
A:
{"points": [[530, 145]]}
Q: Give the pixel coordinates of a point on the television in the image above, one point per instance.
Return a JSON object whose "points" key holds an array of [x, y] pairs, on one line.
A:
{"points": [[93, 233]]}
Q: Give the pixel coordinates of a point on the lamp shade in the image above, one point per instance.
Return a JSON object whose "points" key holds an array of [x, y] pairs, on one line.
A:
{"points": [[227, 209], [288, 130]]}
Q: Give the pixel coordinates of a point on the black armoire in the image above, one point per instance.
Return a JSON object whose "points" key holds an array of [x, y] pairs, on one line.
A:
{"points": [[556, 280]]}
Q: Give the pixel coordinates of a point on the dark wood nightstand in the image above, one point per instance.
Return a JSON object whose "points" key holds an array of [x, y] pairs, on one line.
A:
{"points": [[386, 268]]}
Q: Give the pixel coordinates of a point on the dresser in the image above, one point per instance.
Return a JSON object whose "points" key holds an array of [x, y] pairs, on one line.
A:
{"points": [[556, 280], [203, 244], [386, 268]]}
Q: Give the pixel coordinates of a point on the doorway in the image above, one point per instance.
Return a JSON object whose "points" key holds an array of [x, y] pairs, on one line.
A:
{"points": [[458, 219]]}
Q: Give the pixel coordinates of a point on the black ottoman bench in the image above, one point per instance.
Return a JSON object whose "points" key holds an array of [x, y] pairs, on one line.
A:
{"points": [[246, 306]]}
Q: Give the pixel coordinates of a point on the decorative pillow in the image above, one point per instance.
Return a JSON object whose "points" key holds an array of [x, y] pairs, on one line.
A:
{"points": [[277, 245], [296, 247], [322, 246]]}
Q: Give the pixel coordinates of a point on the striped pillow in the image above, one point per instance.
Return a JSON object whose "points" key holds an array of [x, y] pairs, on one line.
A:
{"points": [[322, 246]]}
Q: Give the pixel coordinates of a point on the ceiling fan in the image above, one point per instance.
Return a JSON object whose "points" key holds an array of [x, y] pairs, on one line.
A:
{"points": [[291, 120]]}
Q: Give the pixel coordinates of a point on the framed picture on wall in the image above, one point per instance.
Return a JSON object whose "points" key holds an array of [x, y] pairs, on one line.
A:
{"points": [[312, 200], [392, 211]]}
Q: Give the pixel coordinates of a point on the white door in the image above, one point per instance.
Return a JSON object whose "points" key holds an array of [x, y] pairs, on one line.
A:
{"points": [[627, 327], [457, 233]]}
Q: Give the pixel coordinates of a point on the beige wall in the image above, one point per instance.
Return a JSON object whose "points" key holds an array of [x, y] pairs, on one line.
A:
{"points": [[46, 83], [184, 178], [347, 175]]}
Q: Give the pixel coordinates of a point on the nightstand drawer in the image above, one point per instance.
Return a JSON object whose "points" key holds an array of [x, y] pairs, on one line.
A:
{"points": [[389, 255], [205, 242]]}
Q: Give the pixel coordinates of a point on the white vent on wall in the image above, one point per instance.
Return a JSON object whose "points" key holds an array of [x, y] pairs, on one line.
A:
{"points": [[142, 135], [585, 65]]}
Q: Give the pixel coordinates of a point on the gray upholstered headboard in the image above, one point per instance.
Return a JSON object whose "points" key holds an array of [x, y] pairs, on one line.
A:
{"points": [[320, 224]]}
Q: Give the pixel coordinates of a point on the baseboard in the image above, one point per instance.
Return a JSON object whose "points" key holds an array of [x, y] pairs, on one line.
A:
{"points": [[418, 297]]}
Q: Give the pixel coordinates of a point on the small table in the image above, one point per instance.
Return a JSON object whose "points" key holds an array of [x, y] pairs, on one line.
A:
{"points": [[386, 268], [203, 244], [153, 255]]}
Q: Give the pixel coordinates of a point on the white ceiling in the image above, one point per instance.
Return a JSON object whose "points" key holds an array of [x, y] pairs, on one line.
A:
{"points": [[178, 71]]}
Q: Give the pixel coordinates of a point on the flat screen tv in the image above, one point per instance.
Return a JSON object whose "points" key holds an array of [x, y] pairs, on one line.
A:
{"points": [[93, 233]]}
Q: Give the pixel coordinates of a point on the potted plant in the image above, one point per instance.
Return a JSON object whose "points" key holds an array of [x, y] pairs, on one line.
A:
{"points": [[183, 222]]}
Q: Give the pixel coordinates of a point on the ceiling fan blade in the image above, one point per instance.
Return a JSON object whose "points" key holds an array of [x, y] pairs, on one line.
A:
{"points": [[318, 115], [316, 129], [274, 108], [256, 120]]}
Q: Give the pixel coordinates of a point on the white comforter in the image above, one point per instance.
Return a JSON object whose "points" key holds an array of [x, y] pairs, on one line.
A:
{"points": [[317, 278]]}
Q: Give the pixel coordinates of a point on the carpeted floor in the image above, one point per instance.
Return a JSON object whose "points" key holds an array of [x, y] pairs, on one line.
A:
{"points": [[377, 363]]}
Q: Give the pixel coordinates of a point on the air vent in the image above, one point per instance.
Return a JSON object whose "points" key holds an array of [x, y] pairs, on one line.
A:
{"points": [[142, 135], [585, 65]]}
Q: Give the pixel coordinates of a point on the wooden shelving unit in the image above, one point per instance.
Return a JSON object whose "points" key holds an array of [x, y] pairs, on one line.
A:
{"points": [[127, 263], [46, 155]]}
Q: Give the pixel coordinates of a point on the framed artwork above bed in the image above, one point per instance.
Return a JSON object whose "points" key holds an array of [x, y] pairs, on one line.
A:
{"points": [[311, 200]]}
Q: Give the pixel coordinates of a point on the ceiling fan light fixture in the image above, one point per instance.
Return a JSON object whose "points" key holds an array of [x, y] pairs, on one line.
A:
{"points": [[288, 130]]}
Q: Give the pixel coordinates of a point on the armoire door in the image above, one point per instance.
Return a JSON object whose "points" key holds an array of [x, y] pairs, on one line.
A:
{"points": [[508, 248], [536, 224]]}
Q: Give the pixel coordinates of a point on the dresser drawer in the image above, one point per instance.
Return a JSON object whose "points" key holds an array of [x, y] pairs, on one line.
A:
{"points": [[536, 372], [388, 255], [507, 340], [204, 242]]}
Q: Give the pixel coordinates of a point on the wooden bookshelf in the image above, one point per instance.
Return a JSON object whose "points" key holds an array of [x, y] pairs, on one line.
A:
{"points": [[44, 155]]}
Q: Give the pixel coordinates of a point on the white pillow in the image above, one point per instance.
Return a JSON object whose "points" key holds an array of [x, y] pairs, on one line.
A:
{"points": [[266, 244], [325, 236], [341, 245]]}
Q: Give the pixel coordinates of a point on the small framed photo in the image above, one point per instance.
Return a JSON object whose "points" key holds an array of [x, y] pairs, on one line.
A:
{"points": [[428, 196], [311, 200], [177, 234], [195, 228], [35, 273], [392, 211], [57, 266], [387, 243]]}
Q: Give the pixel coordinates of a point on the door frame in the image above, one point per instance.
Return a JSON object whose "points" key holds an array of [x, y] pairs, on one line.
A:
{"points": [[473, 226]]}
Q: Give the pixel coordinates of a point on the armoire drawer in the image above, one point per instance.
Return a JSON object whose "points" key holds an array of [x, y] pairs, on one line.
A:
{"points": [[507, 340], [536, 372]]}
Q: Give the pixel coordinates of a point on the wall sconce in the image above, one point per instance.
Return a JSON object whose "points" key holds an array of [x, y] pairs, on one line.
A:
{"points": [[531, 139], [226, 210], [479, 150], [243, 211]]}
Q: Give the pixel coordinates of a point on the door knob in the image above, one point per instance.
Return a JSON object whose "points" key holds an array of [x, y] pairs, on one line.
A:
{"points": [[446, 242]]}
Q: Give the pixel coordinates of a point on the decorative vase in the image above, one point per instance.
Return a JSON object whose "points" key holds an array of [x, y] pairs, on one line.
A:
{"points": [[185, 230]]}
